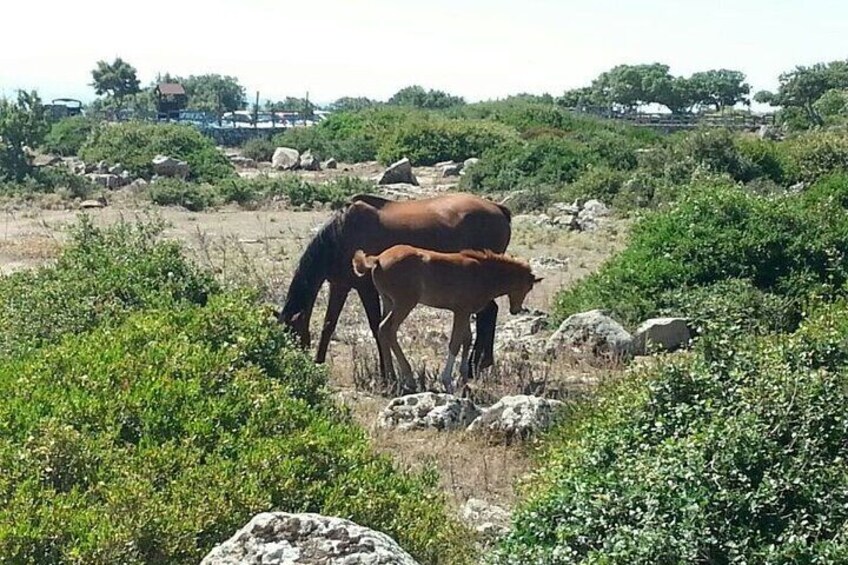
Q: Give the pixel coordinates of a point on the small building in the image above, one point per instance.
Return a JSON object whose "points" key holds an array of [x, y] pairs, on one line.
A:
{"points": [[171, 97]]}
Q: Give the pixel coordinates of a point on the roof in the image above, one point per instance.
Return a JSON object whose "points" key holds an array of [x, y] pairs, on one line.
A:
{"points": [[171, 89]]}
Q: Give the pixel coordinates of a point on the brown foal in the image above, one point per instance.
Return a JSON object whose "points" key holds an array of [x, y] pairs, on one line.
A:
{"points": [[463, 283]]}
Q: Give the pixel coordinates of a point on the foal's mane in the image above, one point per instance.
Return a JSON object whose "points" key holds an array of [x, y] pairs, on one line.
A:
{"points": [[489, 255]]}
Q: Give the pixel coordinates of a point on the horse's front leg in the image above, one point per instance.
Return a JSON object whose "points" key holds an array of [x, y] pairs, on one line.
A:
{"points": [[338, 296], [371, 302]]}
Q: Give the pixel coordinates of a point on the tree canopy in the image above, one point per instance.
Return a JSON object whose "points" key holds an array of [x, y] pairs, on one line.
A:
{"points": [[417, 97], [23, 123], [802, 87], [627, 87], [116, 80]]}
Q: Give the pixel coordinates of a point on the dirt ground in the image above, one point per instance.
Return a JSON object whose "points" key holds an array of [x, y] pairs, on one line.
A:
{"points": [[260, 248]]}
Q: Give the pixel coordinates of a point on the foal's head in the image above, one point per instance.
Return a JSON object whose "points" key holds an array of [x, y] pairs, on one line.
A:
{"points": [[525, 280]]}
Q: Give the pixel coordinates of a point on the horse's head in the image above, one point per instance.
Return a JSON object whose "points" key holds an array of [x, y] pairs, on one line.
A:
{"points": [[298, 324], [520, 292]]}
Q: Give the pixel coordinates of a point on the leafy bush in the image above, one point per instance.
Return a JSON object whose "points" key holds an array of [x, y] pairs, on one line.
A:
{"points": [[98, 279], [541, 161], [819, 154], [46, 180], [597, 182], [67, 136], [789, 246], [259, 149], [155, 439], [134, 145], [189, 195], [734, 456], [427, 142]]}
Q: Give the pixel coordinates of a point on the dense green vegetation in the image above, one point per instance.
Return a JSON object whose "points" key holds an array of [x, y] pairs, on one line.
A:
{"points": [[67, 136], [788, 246], [134, 145], [147, 414], [735, 454]]}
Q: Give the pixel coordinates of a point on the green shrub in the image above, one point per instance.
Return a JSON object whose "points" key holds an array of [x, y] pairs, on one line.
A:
{"points": [[427, 142], [790, 246], [734, 456], [819, 154], [597, 182], [46, 180], [731, 306], [174, 192], [134, 145], [98, 279], [155, 439], [67, 136], [768, 159], [259, 149], [541, 161]]}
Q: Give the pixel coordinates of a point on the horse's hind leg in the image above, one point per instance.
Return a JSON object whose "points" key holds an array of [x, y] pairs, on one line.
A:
{"points": [[484, 346]]}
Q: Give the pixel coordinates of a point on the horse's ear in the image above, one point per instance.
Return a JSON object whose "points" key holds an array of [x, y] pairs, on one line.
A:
{"points": [[538, 279]]}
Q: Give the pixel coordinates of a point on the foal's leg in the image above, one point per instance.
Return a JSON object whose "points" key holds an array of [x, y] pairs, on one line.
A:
{"points": [[338, 296], [388, 333], [458, 338], [484, 347]]}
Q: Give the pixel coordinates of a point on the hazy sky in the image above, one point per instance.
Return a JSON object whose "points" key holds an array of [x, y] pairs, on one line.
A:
{"points": [[476, 48]]}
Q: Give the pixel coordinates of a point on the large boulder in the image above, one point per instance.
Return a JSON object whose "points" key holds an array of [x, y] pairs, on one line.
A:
{"points": [[428, 410], [661, 334], [592, 333], [308, 162], [285, 159], [278, 538], [400, 172], [486, 519], [165, 166], [517, 416]]}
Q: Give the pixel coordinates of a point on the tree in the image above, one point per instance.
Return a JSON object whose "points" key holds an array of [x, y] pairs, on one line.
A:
{"points": [[417, 97], [213, 93], [583, 98], [23, 123], [352, 104], [801, 87], [631, 86], [117, 80], [722, 88]]}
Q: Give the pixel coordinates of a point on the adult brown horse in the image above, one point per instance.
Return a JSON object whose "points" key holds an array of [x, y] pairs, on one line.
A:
{"points": [[448, 223]]}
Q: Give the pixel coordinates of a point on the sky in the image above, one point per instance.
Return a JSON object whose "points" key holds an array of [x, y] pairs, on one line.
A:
{"points": [[479, 49]]}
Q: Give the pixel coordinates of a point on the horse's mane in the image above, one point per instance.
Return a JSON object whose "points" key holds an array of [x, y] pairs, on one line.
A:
{"points": [[489, 255], [314, 265]]}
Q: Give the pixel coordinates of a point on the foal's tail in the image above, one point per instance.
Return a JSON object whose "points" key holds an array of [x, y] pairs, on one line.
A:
{"points": [[363, 264]]}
